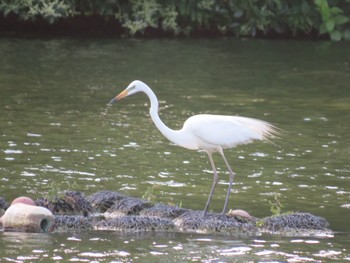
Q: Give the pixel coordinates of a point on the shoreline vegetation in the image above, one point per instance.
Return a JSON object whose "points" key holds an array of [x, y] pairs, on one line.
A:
{"points": [[301, 19]]}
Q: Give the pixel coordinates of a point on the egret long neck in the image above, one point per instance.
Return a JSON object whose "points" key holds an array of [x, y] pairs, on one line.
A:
{"points": [[170, 134]]}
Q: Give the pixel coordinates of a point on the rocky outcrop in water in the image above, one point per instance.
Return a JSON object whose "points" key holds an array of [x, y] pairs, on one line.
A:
{"points": [[113, 211]]}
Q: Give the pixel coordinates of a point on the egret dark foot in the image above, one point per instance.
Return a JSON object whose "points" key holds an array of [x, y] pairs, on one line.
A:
{"points": [[205, 213]]}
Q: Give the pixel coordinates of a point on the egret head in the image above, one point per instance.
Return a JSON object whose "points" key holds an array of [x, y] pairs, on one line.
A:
{"points": [[135, 86]]}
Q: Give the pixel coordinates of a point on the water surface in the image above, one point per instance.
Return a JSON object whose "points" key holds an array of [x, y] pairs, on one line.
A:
{"points": [[58, 133]]}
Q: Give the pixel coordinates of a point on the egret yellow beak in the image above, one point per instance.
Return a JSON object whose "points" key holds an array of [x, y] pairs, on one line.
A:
{"points": [[121, 95]]}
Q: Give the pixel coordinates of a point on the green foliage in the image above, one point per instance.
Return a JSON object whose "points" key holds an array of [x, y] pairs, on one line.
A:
{"points": [[185, 17], [149, 194], [49, 10], [276, 205], [334, 21], [57, 190]]}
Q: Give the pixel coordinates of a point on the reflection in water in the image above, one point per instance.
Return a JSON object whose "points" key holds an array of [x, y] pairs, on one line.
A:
{"points": [[163, 247], [21, 247], [56, 131]]}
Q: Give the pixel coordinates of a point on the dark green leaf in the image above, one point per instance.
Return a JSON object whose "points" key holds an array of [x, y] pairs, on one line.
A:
{"points": [[238, 13], [335, 35], [323, 29], [330, 25], [335, 10], [340, 19]]}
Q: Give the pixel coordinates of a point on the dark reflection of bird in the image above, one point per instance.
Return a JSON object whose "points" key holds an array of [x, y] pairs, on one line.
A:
{"points": [[211, 133]]}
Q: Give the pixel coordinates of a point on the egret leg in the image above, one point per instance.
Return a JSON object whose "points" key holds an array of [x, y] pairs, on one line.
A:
{"points": [[215, 182], [232, 175]]}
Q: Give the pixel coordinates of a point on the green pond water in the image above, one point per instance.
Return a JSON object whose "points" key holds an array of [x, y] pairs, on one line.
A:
{"points": [[58, 133]]}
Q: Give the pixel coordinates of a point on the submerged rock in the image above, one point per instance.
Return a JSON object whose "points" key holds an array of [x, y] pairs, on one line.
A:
{"points": [[293, 222], [103, 200], [194, 221], [69, 203], [163, 211], [127, 206], [66, 222], [135, 224], [3, 206]]}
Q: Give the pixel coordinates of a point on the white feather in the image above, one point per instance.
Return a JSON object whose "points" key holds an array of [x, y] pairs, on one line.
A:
{"points": [[211, 133]]}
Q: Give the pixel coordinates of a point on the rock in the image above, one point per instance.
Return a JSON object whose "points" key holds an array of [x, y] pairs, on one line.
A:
{"points": [[294, 223], [3, 207], [194, 221], [67, 222], [163, 211], [103, 200], [239, 214], [3, 203], [134, 224], [130, 214], [127, 206], [68, 203], [28, 218], [23, 200]]}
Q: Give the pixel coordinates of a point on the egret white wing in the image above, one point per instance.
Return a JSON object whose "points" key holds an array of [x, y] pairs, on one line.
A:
{"points": [[228, 131]]}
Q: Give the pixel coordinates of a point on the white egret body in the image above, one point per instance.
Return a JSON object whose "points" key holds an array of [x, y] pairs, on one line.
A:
{"points": [[211, 133]]}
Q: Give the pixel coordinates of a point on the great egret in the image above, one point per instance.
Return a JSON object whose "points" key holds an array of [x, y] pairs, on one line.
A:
{"points": [[211, 133]]}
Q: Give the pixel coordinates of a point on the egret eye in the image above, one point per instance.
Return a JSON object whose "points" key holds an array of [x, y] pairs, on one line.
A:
{"points": [[131, 88]]}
